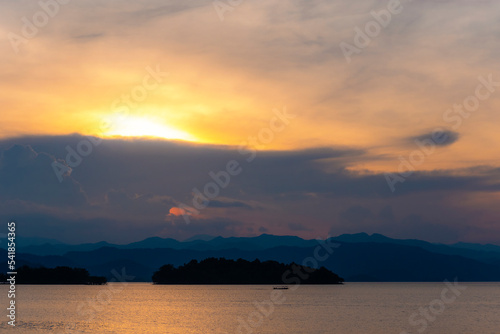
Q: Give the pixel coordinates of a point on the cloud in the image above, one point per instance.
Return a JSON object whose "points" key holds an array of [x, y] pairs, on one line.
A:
{"points": [[88, 36], [134, 183], [217, 226], [386, 214], [164, 168], [149, 204], [298, 227], [328, 161], [229, 204], [356, 215], [28, 175], [168, 8], [406, 78], [263, 229], [438, 137]]}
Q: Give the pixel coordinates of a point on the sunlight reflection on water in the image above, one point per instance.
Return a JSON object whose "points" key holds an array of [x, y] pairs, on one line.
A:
{"points": [[351, 308]]}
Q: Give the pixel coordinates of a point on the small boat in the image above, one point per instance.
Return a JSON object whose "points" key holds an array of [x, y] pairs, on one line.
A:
{"points": [[282, 287]]}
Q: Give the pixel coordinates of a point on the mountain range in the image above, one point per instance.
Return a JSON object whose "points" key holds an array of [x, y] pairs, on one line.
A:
{"points": [[356, 257]]}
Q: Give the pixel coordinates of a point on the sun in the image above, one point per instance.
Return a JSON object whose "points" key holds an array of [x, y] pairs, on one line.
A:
{"points": [[135, 126]]}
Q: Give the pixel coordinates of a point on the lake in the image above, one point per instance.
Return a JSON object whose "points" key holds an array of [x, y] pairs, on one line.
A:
{"points": [[350, 308]]}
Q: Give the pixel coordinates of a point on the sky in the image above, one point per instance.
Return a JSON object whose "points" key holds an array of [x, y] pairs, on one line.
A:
{"points": [[123, 120]]}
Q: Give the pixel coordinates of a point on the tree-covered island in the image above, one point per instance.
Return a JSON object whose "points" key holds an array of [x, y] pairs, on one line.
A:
{"points": [[223, 271]]}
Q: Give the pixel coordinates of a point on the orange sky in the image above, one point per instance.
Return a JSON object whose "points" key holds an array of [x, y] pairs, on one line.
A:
{"points": [[89, 70], [225, 78]]}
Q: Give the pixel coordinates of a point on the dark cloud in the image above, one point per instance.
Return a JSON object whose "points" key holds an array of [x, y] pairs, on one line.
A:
{"points": [[130, 183], [217, 226], [28, 175], [386, 214], [438, 137], [147, 204], [356, 215], [168, 8], [229, 204], [77, 227], [298, 227]]}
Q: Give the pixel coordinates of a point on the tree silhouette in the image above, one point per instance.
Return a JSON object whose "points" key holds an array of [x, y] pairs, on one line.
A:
{"points": [[223, 271]]}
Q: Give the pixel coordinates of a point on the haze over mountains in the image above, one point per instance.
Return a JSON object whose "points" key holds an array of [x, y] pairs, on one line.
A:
{"points": [[356, 257]]}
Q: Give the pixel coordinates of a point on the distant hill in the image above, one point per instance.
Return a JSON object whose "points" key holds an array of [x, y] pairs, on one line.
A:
{"points": [[362, 261], [224, 271], [478, 247], [264, 241], [485, 253], [202, 237], [362, 257]]}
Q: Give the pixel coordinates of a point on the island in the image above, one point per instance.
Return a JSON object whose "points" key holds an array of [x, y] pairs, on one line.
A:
{"points": [[58, 275], [224, 271]]}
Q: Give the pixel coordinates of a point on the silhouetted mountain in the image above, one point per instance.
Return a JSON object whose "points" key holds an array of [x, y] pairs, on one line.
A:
{"points": [[154, 242], [264, 241], [202, 237], [400, 263], [50, 261], [484, 253], [478, 247], [60, 248], [27, 241], [356, 237], [374, 261], [369, 257]]}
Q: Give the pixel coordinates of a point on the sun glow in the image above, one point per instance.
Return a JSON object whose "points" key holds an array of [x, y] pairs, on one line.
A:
{"points": [[133, 126]]}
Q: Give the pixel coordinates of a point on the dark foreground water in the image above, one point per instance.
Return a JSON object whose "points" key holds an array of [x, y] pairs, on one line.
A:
{"points": [[351, 308]]}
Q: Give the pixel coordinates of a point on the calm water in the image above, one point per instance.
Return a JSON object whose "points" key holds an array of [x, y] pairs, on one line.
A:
{"points": [[351, 308]]}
